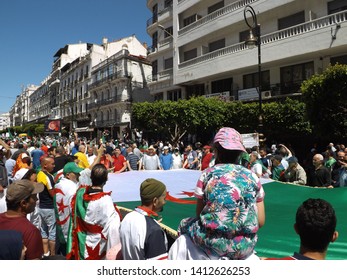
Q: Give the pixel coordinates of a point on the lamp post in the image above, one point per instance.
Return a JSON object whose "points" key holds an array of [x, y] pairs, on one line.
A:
{"points": [[252, 41]]}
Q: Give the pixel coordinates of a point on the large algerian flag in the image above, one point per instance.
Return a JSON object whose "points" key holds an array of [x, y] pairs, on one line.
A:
{"points": [[94, 227], [277, 237]]}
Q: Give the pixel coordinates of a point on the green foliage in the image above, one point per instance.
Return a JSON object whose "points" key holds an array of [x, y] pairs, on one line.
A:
{"points": [[285, 118], [206, 115], [175, 119], [39, 130], [325, 96]]}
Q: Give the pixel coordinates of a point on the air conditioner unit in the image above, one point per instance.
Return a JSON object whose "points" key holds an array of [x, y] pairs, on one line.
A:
{"points": [[266, 94]]}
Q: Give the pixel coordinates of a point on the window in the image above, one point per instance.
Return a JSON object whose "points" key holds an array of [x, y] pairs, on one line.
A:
{"points": [[195, 90], [154, 70], [155, 40], [191, 19], [336, 6], [155, 13], [216, 45], [244, 35], [292, 76], [215, 7], [222, 85], [252, 80], [291, 20], [168, 32], [174, 95], [168, 63], [339, 59], [190, 54], [158, 96], [167, 3]]}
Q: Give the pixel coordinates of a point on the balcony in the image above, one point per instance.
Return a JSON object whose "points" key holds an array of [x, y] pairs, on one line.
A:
{"points": [[216, 15], [114, 76], [107, 101], [162, 45], [165, 14], [82, 116], [109, 122], [152, 20], [116, 56], [279, 45], [161, 76]]}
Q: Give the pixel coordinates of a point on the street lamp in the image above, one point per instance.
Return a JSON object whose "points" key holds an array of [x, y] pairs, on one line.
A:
{"points": [[252, 41]]}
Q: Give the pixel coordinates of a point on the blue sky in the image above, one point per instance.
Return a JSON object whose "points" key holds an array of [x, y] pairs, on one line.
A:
{"points": [[32, 31]]}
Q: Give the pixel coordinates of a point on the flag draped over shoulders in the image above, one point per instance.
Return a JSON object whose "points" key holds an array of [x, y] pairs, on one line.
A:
{"points": [[94, 227]]}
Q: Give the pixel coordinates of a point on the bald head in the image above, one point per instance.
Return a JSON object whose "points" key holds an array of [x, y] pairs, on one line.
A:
{"points": [[317, 160], [47, 164], [82, 148]]}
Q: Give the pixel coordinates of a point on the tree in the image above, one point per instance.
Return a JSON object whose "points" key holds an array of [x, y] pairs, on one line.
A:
{"points": [[325, 96], [204, 116], [286, 119], [175, 119]]}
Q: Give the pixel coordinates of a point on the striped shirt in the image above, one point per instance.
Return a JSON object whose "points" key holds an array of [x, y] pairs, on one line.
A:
{"points": [[133, 160]]}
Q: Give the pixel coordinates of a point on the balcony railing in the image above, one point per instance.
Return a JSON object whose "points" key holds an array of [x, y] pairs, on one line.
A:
{"points": [[160, 44], [82, 116], [272, 37], [107, 101], [166, 74], [117, 75], [166, 9], [212, 16], [108, 123], [152, 20], [165, 41], [106, 61]]}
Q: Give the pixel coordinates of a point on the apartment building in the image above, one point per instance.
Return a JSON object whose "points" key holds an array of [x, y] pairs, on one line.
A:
{"points": [[19, 112], [4, 121], [90, 88], [117, 82], [298, 39]]}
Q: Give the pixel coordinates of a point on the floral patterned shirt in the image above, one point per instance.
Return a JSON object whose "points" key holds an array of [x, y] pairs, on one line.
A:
{"points": [[228, 223]]}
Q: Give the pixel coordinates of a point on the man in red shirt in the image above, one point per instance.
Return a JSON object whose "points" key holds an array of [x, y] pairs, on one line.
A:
{"points": [[206, 158], [21, 200], [119, 161]]}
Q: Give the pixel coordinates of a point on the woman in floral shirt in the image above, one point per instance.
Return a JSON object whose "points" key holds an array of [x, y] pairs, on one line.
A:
{"points": [[230, 207]]}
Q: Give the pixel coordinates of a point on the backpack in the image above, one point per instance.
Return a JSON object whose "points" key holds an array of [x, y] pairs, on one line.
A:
{"points": [[3, 175]]}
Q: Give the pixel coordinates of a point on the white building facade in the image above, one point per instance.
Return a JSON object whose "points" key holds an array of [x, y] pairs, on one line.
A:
{"points": [[298, 39], [117, 82], [4, 121], [90, 88]]}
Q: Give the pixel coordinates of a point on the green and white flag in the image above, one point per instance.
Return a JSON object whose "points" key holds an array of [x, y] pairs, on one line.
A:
{"points": [[94, 228]]}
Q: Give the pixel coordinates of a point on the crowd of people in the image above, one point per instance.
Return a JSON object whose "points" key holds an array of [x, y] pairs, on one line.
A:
{"points": [[53, 205]]}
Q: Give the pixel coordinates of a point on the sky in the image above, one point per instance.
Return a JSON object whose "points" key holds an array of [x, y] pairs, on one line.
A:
{"points": [[32, 31]]}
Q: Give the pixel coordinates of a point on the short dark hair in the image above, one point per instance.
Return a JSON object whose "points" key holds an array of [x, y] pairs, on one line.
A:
{"points": [[315, 224], [99, 175]]}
